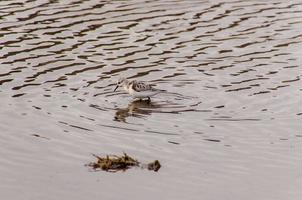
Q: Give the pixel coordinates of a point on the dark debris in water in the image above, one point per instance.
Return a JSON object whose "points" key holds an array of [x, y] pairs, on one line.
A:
{"points": [[39, 136], [114, 163], [154, 166], [173, 142], [212, 140]]}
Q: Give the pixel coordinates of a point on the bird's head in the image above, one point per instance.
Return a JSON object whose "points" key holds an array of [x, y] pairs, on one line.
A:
{"points": [[120, 82]]}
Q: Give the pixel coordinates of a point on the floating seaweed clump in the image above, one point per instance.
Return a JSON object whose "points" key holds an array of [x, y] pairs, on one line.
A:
{"points": [[154, 166], [114, 163]]}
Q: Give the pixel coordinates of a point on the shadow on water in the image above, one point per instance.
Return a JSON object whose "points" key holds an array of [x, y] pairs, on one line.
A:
{"points": [[143, 108], [137, 108]]}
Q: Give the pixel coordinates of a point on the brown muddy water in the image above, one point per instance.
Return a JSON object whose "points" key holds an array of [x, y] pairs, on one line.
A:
{"points": [[232, 131]]}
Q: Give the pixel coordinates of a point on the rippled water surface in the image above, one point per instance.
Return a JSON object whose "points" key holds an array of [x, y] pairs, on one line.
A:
{"points": [[229, 128]]}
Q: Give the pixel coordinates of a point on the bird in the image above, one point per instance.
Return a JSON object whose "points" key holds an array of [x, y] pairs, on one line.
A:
{"points": [[137, 89]]}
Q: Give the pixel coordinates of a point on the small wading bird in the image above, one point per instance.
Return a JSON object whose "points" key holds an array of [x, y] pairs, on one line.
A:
{"points": [[137, 89]]}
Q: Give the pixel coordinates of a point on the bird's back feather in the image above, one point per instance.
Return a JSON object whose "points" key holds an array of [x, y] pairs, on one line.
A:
{"points": [[140, 86]]}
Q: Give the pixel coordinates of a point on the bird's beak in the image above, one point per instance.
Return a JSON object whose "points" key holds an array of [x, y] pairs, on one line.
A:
{"points": [[115, 88]]}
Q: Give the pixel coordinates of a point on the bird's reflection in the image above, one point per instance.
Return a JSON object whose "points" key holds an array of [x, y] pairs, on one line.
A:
{"points": [[138, 108]]}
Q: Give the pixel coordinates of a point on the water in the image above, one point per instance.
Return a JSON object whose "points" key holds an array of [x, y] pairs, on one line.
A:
{"points": [[233, 132]]}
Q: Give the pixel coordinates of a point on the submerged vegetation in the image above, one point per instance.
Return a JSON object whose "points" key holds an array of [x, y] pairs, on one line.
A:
{"points": [[114, 163]]}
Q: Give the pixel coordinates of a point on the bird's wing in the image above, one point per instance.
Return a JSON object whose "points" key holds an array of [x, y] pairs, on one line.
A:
{"points": [[139, 86]]}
